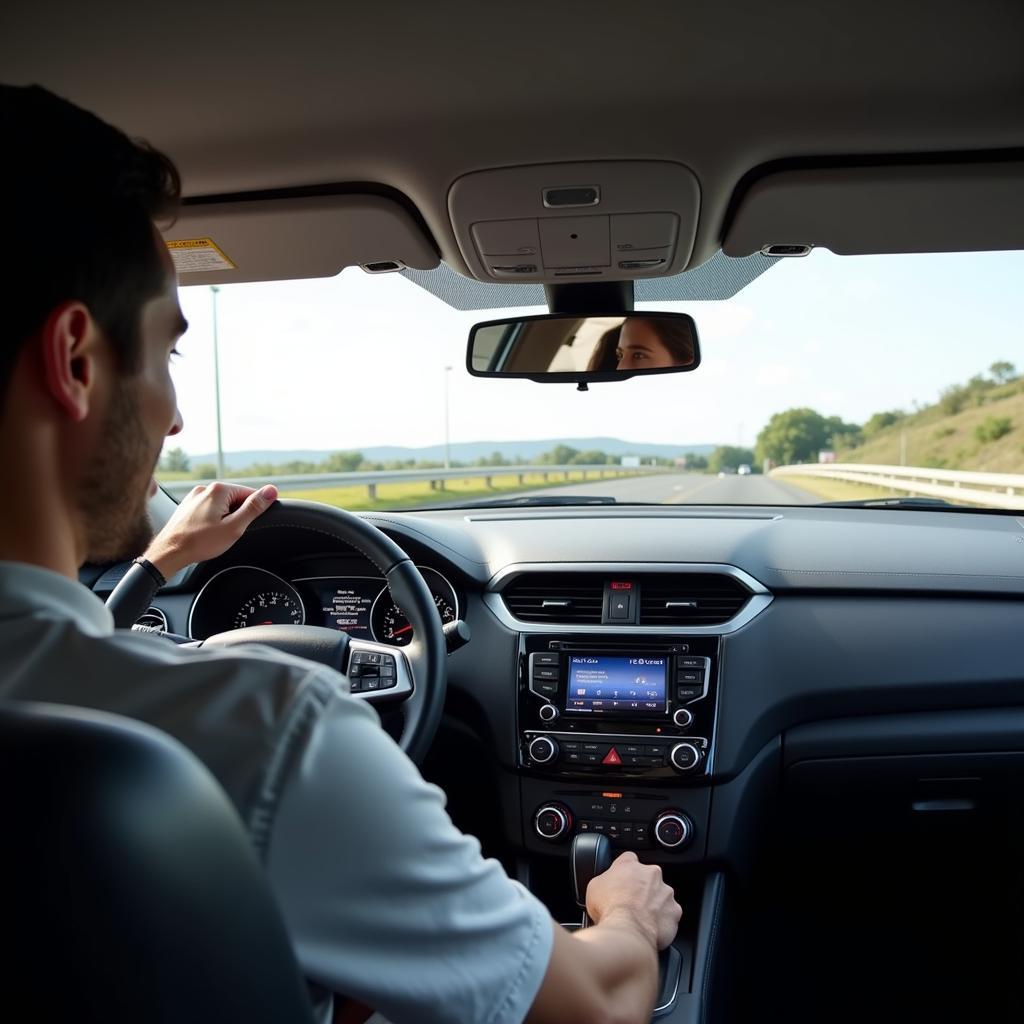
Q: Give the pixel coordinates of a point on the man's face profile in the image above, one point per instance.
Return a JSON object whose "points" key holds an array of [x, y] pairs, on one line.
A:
{"points": [[140, 413]]}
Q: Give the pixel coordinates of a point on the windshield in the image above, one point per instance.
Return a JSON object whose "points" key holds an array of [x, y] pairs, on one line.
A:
{"points": [[828, 378]]}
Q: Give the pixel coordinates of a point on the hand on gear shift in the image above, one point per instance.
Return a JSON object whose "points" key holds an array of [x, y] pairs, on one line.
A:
{"points": [[591, 856]]}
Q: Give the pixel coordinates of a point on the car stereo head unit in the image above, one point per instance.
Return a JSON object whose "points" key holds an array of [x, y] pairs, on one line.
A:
{"points": [[619, 685]]}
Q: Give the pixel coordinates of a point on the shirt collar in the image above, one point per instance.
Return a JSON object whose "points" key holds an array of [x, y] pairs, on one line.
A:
{"points": [[30, 589]]}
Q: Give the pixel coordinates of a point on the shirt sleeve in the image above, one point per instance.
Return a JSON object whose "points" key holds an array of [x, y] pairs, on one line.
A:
{"points": [[386, 901]]}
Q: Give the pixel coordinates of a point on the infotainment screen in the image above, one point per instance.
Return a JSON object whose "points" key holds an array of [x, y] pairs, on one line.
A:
{"points": [[603, 683]]}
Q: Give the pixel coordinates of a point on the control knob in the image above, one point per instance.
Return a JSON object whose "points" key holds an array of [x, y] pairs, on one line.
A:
{"points": [[552, 822], [684, 757], [683, 718], [673, 829], [548, 712], [543, 749]]}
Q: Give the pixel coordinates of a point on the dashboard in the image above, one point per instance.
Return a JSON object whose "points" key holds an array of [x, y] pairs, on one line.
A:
{"points": [[674, 655]]}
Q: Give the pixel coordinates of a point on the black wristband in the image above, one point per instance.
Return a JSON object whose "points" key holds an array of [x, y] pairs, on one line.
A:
{"points": [[158, 577]]}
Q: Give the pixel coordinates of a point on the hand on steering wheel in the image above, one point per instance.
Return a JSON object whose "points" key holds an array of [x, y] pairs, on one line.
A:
{"points": [[423, 659]]}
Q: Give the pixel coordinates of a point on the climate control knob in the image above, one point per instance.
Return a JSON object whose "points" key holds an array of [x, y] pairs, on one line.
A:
{"points": [[673, 830], [683, 718], [548, 712], [685, 757], [543, 749], [552, 822]]}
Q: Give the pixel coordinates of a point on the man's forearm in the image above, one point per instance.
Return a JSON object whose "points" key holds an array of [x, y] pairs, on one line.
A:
{"points": [[606, 974]]}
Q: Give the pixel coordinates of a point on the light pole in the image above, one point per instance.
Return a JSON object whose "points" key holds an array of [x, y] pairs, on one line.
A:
{"points": [[447, 436], [216, 384]]}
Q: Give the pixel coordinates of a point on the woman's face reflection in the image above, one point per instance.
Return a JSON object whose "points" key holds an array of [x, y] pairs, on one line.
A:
{"points": [[640, 348]]}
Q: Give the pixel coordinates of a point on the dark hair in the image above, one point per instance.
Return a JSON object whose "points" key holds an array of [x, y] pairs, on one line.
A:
{"points": [[79, 199], [603, 356], [675, 335]]}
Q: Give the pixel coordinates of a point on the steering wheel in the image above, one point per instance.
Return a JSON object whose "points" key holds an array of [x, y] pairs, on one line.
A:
{"points": [[425, 657]]}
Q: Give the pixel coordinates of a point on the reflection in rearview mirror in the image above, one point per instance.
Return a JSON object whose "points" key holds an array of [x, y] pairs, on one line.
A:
{"points": [[560, 347]]}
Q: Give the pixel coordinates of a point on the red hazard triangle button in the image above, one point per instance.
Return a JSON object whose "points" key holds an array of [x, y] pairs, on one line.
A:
{"points": [[612, 757]]}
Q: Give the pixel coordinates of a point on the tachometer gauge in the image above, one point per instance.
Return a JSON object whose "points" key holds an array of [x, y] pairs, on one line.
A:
{"points": [[389, 623], [269, 608]]}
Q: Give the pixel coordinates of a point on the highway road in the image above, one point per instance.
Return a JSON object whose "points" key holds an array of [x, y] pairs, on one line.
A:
{"points": [[690, 488]]}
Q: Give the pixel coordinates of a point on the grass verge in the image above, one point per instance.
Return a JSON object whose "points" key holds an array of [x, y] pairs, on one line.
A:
{"points": [[419, 494], [835, 490]]}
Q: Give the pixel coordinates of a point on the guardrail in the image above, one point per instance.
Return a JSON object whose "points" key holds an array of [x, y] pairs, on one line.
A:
{"points": [[316, 481], [992, 490]]}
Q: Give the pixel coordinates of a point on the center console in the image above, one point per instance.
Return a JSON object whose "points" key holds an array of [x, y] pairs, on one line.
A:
{"points": [[617, 737]]}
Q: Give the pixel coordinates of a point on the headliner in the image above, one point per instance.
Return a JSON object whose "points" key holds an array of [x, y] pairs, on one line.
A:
{"points": [[411, 95]]}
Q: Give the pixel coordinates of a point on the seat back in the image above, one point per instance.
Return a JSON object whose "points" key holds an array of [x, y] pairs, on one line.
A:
{"points": [[130, 889]]}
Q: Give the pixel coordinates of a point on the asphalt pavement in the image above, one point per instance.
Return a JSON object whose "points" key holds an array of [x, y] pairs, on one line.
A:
{"points": [[690, 488]]}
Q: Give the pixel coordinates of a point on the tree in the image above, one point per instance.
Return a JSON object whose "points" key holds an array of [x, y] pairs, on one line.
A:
{"points": [[1003, 372], [881, 420], [729, 457], [205, 471], [176, 461], [796, 435], [343, 462], [560, 455], [590, 458], [698, 462], [842, 435]]}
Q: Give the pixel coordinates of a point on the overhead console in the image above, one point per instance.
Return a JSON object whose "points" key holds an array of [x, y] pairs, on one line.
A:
{"points": [[557, 223]]}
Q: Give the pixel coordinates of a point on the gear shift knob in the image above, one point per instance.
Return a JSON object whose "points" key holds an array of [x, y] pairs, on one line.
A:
{"points": [[591, 855]]}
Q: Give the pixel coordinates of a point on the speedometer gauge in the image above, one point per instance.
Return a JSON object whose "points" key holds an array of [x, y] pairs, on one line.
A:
{"points": [[269, 608], [389, 623], [240, 596]]}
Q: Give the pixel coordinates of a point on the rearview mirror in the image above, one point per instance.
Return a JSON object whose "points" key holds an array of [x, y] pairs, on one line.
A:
{"points": [[566, 348]]}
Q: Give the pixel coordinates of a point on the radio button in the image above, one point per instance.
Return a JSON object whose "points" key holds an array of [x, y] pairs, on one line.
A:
{"points": [[545, 689], [690, 663], [683, 676], [633, 749], [683, 718], [545, 659], [595, 748], [571, 747], [573, 757], [591, 758], [640, 835], [658, 751], [543, 749], [685, 757], [689, 692]]}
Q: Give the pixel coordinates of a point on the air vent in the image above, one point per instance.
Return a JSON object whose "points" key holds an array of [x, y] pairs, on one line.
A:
{"points": [[556, 597], [690, 599], [153, 618]]}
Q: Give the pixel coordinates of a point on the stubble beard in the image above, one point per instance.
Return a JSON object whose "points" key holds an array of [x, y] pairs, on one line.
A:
{"points": [[114, 492]]}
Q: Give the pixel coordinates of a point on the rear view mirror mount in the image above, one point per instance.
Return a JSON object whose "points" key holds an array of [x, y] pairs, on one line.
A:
{"points": [[565, 348]]}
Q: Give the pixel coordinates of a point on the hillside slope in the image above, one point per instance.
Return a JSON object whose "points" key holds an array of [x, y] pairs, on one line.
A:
{"points": [[936, 438]]}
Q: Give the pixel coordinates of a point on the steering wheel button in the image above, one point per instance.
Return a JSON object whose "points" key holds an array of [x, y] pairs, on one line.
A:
{"points": [[372, 683]]}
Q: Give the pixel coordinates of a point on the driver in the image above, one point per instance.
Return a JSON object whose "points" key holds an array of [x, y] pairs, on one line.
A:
{"points": [[386, 900]]}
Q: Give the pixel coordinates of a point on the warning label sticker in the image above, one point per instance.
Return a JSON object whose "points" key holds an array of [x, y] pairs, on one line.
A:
{"points": [[198, 256]]}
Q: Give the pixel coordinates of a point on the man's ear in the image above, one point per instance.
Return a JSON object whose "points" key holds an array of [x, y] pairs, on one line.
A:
{"points": [[69, 338]]}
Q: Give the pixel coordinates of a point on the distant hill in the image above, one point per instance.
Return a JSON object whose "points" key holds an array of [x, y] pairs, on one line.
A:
{"points": [[986, 433], [461, 452]]}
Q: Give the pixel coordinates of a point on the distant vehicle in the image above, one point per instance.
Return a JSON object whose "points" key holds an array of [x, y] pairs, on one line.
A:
{"points": [[743, 470]]}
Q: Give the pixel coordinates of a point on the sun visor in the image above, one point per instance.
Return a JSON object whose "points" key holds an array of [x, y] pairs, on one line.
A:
{"points": [[299, 237], [962, 207]]}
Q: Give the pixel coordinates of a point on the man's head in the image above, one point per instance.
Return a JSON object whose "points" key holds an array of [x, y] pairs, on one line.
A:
{"points": [[90, 315]]}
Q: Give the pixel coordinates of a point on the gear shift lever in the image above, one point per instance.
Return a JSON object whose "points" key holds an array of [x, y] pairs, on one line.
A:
{"points": [[591, 855]]}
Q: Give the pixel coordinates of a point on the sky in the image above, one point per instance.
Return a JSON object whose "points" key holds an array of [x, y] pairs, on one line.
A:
{"points": [[357, 361]]}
